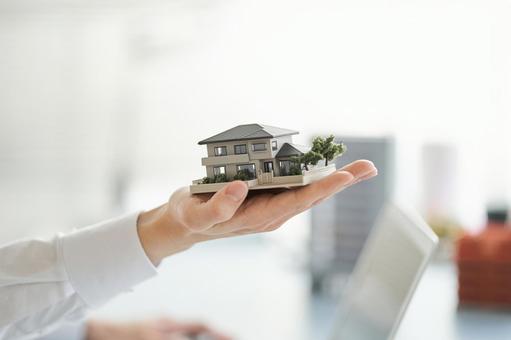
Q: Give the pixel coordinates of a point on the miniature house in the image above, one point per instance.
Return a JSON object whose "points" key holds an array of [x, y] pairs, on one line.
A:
{"points": [[262, 156], [253, 149]]}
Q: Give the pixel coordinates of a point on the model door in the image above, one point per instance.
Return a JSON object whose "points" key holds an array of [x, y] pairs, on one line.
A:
{"points": [[268, 166]]}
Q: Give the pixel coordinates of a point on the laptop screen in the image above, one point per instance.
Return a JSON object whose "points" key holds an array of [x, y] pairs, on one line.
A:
{"points": [[385, 276]]}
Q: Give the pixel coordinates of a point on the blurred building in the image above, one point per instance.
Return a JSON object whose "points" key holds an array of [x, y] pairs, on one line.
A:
{"points": [[341, 225]]}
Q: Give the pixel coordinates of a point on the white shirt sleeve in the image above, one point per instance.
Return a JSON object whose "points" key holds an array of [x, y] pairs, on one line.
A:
{"points": [[70, 331], [46, 283]]}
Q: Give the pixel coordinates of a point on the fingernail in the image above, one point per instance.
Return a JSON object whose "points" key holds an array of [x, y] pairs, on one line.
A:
{"points": [[366, 173], [236, 191]]}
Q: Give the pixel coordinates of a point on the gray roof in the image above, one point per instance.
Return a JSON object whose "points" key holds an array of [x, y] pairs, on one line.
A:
{"points": [[248, 131], [289, 150]]}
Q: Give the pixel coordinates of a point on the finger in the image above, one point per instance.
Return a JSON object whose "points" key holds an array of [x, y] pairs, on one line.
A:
{"points": [[295, 201], [299, 199], [267, 209], [219, 336], [190, 328], [359, 168], [362, 170], [165, 324], [335, 182], [366, 177], [200, 215], [169, 325], [363, 178]]}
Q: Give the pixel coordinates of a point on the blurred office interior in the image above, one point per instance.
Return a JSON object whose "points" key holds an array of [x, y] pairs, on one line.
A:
{"points": [[102, 105]]}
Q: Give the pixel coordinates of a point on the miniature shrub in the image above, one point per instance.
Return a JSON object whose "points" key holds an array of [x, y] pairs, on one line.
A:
{"points": [[206, 180], [220, 178], [242, 175], [294, 170], [216, 179]]}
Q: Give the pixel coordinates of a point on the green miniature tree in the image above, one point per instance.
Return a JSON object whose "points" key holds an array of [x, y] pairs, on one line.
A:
{"points": [[308, 158], [328, 148]]}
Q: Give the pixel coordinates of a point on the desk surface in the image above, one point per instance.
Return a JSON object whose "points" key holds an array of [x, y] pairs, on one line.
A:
{"points": [[256, 291]]}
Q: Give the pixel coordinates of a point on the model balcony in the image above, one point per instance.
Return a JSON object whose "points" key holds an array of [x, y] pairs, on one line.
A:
{"points": [[229, 159]]}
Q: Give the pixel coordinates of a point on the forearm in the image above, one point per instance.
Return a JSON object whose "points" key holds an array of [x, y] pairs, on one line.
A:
{"points": [[161, 235], [44, 283]]}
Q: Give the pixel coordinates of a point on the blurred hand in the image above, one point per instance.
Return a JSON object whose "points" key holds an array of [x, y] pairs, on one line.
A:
{"points": [[159, 329], [187, 219]]}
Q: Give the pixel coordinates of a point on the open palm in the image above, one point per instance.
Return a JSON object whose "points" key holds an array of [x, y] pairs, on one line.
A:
{"points": [[224, 214]]}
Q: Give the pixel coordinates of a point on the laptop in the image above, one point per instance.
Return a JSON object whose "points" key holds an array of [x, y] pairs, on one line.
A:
{"points": [[385, 276]]}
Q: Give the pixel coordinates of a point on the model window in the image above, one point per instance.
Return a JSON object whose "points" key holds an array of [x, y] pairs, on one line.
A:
{"points": [[219, 170], [274, 145], [220, 150], [248, 169], [240, 149], [285, 167], [268, 166], [259, 147]]}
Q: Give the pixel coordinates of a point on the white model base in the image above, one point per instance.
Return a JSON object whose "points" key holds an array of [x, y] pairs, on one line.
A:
{"points": [[270, 182]]}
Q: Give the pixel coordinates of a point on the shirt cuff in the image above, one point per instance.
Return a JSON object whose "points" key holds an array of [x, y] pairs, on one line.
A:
{"points": [[69, 331], [105, 259]]}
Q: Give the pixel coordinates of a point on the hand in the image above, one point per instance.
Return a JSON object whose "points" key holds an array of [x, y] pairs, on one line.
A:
{"points": [[159, 329], [188, 219]]}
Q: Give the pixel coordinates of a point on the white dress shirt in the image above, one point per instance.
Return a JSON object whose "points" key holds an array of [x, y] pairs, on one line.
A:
{"points": [[46, 283]]}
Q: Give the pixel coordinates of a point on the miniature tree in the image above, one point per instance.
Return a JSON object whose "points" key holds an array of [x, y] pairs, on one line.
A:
{"points": [[308, 158], [328, 148]]}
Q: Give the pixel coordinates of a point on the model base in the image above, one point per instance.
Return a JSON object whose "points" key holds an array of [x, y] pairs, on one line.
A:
{"points": [[268, 181]]}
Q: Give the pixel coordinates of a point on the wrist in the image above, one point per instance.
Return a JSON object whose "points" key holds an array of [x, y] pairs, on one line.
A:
{"points": [[162, 235], [96, 330]]}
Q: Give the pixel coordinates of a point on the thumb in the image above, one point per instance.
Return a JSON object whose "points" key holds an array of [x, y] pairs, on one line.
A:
{"points": [[219, 208]]}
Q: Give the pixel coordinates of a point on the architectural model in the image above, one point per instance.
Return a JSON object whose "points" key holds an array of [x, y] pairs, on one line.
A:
{"points": [[264, 157]]}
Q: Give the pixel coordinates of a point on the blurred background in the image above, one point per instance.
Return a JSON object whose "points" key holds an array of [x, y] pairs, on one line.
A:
{"points": [[102, 104]]}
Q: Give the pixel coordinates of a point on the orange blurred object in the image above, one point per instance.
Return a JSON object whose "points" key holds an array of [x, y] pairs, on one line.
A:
{"points": [[484, 266]]}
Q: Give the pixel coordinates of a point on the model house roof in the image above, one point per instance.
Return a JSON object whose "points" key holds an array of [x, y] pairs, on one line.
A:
{"points": [[288, 150], [248, 131]]}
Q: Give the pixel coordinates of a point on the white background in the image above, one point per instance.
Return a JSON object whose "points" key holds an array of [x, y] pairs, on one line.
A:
{"points": [[102, 103]]}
